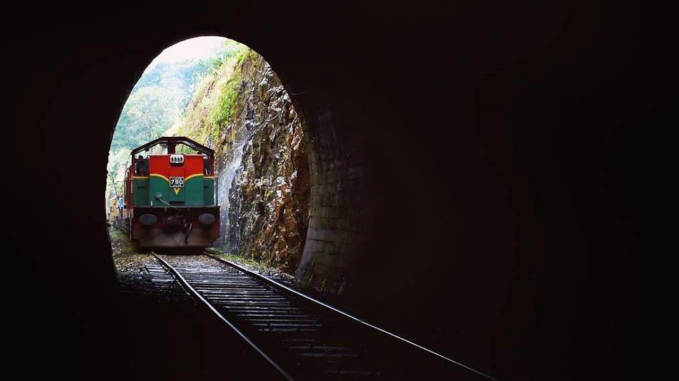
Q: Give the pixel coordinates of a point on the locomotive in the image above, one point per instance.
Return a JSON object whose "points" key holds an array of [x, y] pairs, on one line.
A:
{"points": [[170, 198]]}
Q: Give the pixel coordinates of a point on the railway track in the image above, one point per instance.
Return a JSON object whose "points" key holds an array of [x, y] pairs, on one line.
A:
{"points": [[302, 338]]}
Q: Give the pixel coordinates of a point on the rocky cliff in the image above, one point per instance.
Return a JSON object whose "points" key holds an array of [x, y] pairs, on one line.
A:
{"points": [[244, 113]]}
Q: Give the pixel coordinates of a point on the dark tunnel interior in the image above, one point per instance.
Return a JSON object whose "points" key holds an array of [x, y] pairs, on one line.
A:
{"points": [[493, 157]]}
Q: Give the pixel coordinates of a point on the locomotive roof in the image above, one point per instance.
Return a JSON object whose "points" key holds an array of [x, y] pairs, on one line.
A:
{"points": [[174, 140]]}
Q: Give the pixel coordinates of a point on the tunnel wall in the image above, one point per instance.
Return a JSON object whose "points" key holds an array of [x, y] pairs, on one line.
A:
{"points": [[476, 171], [338, 218]]}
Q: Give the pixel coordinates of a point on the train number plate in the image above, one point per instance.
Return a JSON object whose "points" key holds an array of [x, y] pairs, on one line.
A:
{"points": [[176, 182]]}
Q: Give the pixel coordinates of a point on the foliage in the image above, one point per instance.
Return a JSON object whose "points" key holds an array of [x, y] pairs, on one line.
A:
{"points": [[223, 113], [158, 105], [212, 106], [157, 102], [117, 162], [248, 263]]}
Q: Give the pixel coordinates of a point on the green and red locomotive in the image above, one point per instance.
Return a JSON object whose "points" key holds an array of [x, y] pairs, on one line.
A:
{"points": [[170, 197]]}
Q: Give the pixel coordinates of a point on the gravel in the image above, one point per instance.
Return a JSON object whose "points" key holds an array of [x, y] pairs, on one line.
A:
{"points": [[136, 283]]}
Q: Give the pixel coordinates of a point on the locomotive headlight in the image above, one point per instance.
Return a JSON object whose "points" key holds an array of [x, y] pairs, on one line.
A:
{"points": [[148, 220], [206, 219], [176, 160]]}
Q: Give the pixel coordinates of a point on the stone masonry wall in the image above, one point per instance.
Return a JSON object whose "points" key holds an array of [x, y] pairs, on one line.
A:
{"points": [[338, 219]]}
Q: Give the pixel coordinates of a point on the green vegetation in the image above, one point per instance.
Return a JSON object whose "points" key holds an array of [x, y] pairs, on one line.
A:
{"points": [[158, 103], [214, 102], [248, 263], [121, 243], [223, 113]]}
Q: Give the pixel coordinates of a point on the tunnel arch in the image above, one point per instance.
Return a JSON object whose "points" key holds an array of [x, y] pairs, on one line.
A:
{"points": [[534, 208], [338, 218]]}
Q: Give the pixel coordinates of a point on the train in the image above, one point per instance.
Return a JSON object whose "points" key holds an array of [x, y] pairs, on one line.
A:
{"points": [[170, 196]]}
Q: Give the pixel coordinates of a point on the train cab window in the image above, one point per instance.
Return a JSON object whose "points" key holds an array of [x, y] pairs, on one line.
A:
{"points": [[206, 166], [141, 167]]}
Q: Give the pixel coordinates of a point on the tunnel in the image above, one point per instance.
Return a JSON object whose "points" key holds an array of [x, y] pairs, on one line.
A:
{"points": [[475, 172]]}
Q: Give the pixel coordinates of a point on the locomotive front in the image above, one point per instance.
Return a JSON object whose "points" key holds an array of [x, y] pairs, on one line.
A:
{"points": [[171, 197]]}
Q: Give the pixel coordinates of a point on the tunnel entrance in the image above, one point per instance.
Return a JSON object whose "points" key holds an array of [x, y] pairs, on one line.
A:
{"points": [[247, 144]]}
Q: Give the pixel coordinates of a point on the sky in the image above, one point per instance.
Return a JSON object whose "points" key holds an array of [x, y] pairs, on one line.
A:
{"points": [[194, 48]]}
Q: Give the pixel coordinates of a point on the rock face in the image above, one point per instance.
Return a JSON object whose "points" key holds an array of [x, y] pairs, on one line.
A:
{"points": [[269, 198], [261, 162]]}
